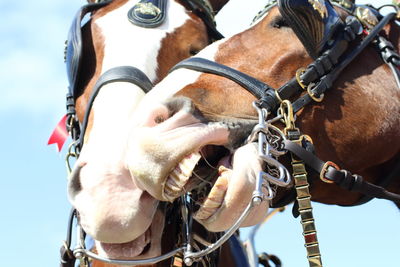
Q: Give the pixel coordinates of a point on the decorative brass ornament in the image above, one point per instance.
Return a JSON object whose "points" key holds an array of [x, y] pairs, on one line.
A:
{"points": [[319, 5], [345, 3], [366, 17], [147, 9]]}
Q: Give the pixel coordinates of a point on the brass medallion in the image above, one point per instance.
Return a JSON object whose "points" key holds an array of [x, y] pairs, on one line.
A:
{"points": [[147, 9], [366, 16]]}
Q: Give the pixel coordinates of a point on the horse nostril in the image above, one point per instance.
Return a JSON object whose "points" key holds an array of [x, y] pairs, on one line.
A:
{"points": [[74, 183], [159, 119]]}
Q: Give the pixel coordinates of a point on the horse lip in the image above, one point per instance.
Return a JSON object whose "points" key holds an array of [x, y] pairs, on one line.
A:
{"points": [[128, 250], [149, 245]]}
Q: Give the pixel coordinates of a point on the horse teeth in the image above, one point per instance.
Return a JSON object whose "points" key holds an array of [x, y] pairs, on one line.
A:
{"points": [[222, 169], [180, 175], [172, 186], [177, 179], [186, 166], [215, 198]]}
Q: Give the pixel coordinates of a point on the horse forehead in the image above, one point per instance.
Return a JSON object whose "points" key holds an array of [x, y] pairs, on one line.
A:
{"points": [[130, 43]]}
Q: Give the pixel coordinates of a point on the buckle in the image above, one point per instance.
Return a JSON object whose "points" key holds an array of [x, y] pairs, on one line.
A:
{"points": [[310, 87], [325, 169], [299, 72]]}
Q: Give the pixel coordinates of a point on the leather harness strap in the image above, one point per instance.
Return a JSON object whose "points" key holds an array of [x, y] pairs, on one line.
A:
{"points": [[256, 87], [327, 80], [67, 258], [331, 174], [73, 49], [118, 74]]}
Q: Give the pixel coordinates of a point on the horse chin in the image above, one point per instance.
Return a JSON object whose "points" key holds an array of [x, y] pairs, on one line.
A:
{"points": [[145, 246]]}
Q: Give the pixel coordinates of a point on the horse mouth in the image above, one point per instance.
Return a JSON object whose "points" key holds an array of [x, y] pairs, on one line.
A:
{"points": [[145, 246], [203, 173]]}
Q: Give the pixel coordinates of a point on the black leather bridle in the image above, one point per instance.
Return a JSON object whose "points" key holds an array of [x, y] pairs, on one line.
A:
{"points": [[321, 74]]}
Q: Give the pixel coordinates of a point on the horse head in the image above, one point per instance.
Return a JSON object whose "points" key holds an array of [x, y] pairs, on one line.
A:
{"points": [[123, 47], [208, 115]]}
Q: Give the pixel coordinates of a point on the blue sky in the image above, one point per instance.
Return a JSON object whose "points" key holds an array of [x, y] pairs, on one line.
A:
{"points": [[33, 178]]}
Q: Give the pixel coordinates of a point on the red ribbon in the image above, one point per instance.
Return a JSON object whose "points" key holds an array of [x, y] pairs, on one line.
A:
{"points": [[60, 134]]}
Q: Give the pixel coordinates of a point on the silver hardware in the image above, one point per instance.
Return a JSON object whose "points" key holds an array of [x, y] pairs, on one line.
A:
{"points": [[269, 140]]}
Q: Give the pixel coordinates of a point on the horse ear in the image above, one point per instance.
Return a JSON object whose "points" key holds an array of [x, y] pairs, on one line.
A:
{"points": [[313, 21]]}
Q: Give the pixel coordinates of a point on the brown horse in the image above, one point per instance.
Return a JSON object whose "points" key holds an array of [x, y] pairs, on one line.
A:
{"points": [[190, 113], [114, 209], [351, 127]]}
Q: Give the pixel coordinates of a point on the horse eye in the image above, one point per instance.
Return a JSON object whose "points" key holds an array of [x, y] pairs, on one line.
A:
{"points": [[279, 22]]}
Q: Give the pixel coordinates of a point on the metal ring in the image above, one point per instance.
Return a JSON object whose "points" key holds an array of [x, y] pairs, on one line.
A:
{"points": [[325, 169], [312, 95], [299, 72]]}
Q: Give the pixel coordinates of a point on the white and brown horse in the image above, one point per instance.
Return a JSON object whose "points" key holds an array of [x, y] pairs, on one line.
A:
{"points": [[117, 210], [203, 114]]}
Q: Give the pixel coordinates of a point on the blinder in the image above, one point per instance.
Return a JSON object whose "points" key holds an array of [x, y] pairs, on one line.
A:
{"points": [[73, 49], [313, 21]]}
